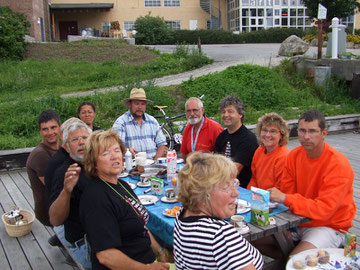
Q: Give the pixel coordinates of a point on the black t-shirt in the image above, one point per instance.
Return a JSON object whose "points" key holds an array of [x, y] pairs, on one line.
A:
{"points": [[72, 225], [111, 222], [240, 146], [54, 163]]}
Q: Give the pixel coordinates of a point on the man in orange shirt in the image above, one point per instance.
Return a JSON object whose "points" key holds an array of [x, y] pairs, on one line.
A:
{"points": [[317, 183]]}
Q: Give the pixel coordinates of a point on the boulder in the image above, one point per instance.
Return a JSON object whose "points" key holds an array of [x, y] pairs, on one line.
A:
{"points": [[293, 45]]}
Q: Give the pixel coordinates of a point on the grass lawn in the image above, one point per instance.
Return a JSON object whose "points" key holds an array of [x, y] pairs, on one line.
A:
{"points": [[262, 89]]}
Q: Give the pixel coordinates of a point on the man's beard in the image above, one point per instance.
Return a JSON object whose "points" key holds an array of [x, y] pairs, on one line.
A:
{"points": [[193, 120], [77, 157]]}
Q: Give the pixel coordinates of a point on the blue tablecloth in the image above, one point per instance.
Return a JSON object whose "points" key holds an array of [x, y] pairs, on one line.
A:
{"points": [[163, 226]]}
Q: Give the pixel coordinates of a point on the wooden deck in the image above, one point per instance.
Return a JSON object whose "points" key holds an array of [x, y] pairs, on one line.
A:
{"points": [[33, 251]]}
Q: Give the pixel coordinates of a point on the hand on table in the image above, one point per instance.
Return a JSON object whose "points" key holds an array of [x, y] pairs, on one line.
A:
{"points": [[276, 195], [71, 177], [158, 266]]}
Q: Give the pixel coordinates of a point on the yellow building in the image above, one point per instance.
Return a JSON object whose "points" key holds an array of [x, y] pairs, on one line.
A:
{"points": [[73, 16]]}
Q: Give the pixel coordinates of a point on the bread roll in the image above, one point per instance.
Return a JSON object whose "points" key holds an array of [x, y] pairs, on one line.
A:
{"points": [[311, 260]]}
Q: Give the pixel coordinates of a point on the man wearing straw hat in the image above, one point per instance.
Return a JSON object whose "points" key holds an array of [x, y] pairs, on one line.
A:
{"points": [[139, 131]]}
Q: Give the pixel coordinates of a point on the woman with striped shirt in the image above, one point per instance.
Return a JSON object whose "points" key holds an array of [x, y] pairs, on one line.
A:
{"points": [[202, 238]]}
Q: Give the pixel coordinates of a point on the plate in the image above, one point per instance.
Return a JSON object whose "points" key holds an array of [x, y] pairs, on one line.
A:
{"points": [[273, 204], [243, 207], [336, 255], [123, 175], [244, 230], [166, 214], [148, 199], [139, 184], [179, 160], [132, 185], [149, 162], [166, 200]]}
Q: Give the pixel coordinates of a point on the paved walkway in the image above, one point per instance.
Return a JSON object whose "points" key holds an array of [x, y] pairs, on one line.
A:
{"points": [[224, 55]]}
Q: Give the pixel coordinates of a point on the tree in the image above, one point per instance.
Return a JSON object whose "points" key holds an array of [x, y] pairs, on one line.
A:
{"points": [[152, 30], [335, 8], [13, 27]]}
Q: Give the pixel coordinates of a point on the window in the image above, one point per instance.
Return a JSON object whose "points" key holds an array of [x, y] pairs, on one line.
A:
{"points": [[300, 2], [253, 21], [284, 21], [284, 12], [105, 27], [277, 21], [292, 12], [293, 2], [152, 3], [245, 12], [175, 25], [300, 12], [292, 21], [277, 12], [245, 29], [253, 12], [269, 22], [253, 3], [284, 2], [269, 12], [260, 21], [261, 12], [245, 21], [171, 3], [277, 2], [129, 26], [260, 3], [300, 21], [269, 3]]}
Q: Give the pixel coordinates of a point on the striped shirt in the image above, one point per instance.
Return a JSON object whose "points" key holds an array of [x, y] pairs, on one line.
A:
{"points": [[145, 138], [204, 242]]}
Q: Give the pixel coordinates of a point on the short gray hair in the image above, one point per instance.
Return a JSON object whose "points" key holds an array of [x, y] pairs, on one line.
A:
{"points": [[72, 126], [200, 104], [236, 102]]}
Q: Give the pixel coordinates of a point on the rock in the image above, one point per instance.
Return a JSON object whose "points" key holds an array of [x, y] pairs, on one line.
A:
{"points": [[293, 45], [314, 42], [28, 38]]}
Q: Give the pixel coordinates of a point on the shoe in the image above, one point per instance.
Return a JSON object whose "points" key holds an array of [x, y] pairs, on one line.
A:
{"points": [[70, 261], [54, 241]]}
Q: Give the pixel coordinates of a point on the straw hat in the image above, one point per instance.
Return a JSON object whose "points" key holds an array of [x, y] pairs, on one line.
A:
{"points": [[137, 94]]}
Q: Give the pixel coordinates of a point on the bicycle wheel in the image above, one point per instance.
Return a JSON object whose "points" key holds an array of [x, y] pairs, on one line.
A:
{"points": [[169, 138]]}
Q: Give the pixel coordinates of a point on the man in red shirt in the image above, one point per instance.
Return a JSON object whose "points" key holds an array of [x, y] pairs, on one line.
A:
{"points": [[201, 132], [317, 183]]}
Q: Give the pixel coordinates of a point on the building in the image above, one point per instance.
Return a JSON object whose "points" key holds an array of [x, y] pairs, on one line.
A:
{"points": [[37, 13], [73, 16]]}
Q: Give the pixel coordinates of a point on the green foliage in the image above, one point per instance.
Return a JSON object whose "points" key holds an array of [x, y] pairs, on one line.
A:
{"points": [[29, 79], [13, 27], [152, 30], [335, 8], [272, 35]]}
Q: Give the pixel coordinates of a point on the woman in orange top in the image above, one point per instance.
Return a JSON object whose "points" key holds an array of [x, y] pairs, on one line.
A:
{"points": [[269, 159]]}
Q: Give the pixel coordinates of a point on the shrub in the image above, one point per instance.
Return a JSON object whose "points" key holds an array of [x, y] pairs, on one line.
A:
{"points": [[152, 30], [13, 27]]}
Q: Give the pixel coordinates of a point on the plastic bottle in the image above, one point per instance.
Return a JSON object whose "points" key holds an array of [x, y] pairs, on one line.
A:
{"points": [[171, 165], [128, 160]]}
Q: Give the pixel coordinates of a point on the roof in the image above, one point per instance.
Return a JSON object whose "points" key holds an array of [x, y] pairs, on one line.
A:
{"points": [[77, 6]]}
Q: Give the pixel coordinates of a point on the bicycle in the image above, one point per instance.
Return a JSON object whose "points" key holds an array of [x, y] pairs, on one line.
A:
{"points": [[173, 138]]}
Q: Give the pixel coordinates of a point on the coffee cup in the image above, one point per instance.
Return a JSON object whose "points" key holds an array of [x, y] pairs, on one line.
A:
{"points": [[145, 178], [170, 193], [161, 161], [238, 221]]}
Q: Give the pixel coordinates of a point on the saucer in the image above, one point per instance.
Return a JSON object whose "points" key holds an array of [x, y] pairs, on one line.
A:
{"points": [[123, 175], [243, 206], [244, 230], [166, 200], [148, 199], [139, 184]]}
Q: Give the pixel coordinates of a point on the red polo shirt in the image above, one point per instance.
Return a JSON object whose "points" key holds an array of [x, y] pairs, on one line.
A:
{"points": [[207, 137]]}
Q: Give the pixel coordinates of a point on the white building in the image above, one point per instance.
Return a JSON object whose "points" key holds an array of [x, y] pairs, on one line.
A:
{"points": [[251, 15]]}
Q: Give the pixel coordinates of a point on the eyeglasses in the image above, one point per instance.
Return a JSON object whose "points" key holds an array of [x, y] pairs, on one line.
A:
{"points": [[77, 139], [310, 132], [193, 110], [86, 112], [230, 188], [271, 131]]}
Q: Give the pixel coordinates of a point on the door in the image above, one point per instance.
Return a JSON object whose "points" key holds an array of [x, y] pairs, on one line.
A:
{"points": [[193, 24], [67, 28]]}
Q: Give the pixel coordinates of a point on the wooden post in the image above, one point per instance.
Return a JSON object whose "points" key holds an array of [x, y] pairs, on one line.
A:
{"points": [[199, 44], [320, 26]]}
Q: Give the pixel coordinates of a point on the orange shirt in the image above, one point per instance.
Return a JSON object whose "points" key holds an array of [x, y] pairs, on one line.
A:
{"points": [[267, 169], [321, 188]]}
